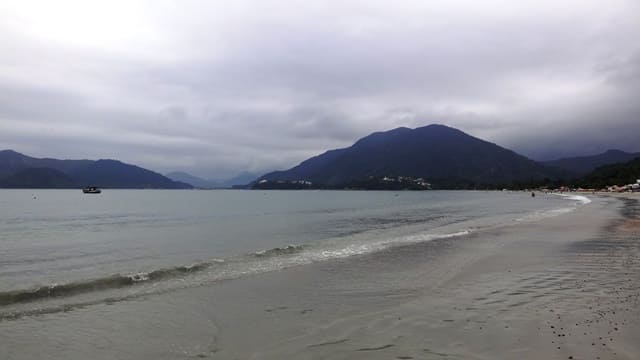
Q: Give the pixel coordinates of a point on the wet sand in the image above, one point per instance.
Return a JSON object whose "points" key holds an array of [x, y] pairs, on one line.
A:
{"points": [[560, 288]]}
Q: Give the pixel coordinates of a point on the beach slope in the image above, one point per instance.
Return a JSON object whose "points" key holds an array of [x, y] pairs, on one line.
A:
{"points": [[564, 287]]}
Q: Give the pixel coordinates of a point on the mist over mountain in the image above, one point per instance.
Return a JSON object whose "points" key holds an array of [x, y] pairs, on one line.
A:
{"points": [[545, 80], [190, 179], [22, 171], [583, 165], [447, 157], [443, 156], [243, 178], [116, 174]]}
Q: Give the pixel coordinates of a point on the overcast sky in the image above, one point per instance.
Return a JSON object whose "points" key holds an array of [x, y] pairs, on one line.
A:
{"points": [[217, 87]]}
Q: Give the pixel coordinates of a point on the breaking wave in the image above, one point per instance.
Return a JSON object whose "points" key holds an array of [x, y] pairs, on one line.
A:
{"points": [[110, 282], [543, 214], [242, 265], [579, 198], [216, 269], [287, 250]]}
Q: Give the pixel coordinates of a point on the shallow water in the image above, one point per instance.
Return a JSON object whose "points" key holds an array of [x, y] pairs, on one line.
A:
{"points": [[61, 249], [98, 276]]}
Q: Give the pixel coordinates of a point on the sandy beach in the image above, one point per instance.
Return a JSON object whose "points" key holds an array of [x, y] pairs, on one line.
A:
{"points": [[319, 180], [565, 287]]}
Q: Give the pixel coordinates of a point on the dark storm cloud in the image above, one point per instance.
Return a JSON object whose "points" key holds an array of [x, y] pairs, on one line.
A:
{"points": [[218, 88]]}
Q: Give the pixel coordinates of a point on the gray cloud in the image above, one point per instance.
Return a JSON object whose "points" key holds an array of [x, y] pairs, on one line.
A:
{"points": [[216, 88]]}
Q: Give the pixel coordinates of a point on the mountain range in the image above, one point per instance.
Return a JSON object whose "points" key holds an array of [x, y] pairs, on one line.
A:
{"points": [[583, 165], [22, 171], [433, 155], [444, 156], [241, 179]]}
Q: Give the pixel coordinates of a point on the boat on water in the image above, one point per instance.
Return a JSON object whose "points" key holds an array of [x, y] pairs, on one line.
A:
{"points": [[91, 190]]}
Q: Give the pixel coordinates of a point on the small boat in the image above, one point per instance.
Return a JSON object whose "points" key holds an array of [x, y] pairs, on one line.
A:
{"points": [[91, 190]]}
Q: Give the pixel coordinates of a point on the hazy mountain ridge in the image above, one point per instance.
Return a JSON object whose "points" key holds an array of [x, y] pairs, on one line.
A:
{"points": [[582, 165], [21, 171], [11, 162], [240, 179], [189, 179], [446, 157], [442, 155], [613, 174]]}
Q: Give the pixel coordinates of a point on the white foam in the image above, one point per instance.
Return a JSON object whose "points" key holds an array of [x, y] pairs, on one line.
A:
{"points": [[137, 277], [579, 198], [543, 214], [369, 247], [428, 237]]}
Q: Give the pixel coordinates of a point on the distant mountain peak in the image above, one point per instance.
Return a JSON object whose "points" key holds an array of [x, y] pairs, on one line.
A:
{"points": [[438, 153], [18, 170], [242, 178], [399, 129], [9, 151], [582, 165], [615, 151], [189, 179]]}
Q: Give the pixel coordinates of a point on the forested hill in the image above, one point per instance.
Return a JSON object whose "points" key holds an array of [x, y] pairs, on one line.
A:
{"points": [[22, 171]]}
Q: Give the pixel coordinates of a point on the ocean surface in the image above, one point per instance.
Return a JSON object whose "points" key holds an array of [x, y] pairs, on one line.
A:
{"points": [[60, 249]]}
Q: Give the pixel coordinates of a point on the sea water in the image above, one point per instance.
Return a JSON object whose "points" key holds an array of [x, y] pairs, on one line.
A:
{"points": [[63, 248]]}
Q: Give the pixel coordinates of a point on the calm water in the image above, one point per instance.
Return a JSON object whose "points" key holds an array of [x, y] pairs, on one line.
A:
{"points": [[58, 246]]}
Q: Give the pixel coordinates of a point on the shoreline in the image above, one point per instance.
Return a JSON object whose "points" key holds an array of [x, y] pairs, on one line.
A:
{"points": [[490, 295], [544, 289]]}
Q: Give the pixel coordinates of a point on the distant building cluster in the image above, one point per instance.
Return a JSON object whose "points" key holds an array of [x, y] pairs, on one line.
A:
{"points": [[283, 184], [407, 179], [296, 182], [625, 188], [370, 183], [635, 187]]}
